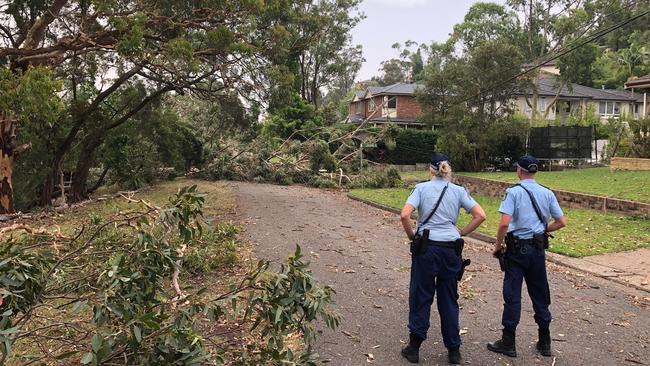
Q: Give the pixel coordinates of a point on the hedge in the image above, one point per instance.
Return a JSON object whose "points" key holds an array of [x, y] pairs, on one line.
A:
{"points": [[411, 147]]}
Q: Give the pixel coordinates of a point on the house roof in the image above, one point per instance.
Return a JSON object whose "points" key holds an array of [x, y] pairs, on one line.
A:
{"points": [[549, 87], [395, 89], [642, 82]]}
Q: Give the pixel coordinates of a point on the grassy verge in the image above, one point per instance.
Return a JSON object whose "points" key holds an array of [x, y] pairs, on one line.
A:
{"points": [[219, 201], [589, 232], [629, 185]]}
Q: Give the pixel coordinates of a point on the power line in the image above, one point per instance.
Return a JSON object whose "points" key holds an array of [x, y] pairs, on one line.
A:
{"points": [[589, 39]]}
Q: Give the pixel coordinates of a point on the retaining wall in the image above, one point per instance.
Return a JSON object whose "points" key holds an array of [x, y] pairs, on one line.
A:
{"points": [[495, 188], [629, 164]]}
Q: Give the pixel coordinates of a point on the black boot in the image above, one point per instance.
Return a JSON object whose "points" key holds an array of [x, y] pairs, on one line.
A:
{"points": [[454, 356], [544, 342], [506, 344], [412, 351]]}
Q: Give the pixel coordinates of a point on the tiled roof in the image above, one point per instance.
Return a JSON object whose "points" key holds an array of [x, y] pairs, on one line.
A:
{"points": [[398, 88], [549, 87]]}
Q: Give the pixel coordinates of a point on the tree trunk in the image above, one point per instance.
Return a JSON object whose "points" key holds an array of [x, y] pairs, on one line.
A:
{"points": [[8, 154], [7, 142], [79, 189]]}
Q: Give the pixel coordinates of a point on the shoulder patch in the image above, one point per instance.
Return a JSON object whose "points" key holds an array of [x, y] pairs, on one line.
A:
{"points": [[505, 196]]}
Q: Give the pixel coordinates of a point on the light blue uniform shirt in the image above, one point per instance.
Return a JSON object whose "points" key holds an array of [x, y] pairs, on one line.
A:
{"points": [[442, 226], [517, 204]]}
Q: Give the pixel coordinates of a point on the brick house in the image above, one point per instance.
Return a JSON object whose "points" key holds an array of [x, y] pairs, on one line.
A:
{"points": [[394, 104]]}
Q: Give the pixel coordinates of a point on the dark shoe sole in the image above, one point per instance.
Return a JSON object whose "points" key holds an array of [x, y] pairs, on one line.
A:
{"points": [[545, 353], [409, 358], [502, 351]]}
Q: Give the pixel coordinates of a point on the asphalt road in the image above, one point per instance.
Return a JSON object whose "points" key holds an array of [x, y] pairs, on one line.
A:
{"points": [[362, 253]]}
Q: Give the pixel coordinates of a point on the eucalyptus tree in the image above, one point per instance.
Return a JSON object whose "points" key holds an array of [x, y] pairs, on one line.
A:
{"points": [[139, 49]]}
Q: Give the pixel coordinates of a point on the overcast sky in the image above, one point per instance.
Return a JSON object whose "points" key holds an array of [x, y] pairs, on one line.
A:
{"points": [[390, 21]]}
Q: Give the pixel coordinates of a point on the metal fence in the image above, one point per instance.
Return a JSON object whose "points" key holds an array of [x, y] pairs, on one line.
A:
{"points": [[561, 142]]}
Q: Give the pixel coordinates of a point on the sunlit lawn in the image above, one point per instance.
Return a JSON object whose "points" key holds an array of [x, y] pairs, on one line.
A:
{"points": [[589, 232], [630, 185]]}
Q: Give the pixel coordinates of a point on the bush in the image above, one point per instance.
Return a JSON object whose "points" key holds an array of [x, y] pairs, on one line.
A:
{"points": [[321, 157], [217, 250], [380, 178], [298, 115], [322, 182]]}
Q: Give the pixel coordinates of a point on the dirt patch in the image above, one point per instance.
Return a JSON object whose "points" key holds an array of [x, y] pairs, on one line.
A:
{"points": [[362, 252]]}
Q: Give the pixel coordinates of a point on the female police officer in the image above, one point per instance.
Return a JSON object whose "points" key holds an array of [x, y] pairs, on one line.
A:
{"points": [[436, 264]]}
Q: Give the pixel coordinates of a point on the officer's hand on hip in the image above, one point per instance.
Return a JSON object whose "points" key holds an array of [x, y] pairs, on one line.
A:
{"points": [[498, 250]]}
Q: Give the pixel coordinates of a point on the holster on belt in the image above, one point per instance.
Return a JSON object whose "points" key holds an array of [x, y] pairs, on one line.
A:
{"points": [[419, 241], [541, 240], [501, 256], [458, 246]]}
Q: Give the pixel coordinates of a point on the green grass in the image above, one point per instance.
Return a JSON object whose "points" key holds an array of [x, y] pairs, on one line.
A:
{"points": [[589, 232], [219, 199], [629, 185]]}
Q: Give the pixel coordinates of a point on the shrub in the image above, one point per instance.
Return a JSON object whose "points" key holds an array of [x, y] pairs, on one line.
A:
{"points": [[216, 250], [379, 178], [322, 182], [410, 147]]}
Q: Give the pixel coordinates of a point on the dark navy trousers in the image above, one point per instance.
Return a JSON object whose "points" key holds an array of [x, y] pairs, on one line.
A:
{"points": [[527, 263], [435, 270]]}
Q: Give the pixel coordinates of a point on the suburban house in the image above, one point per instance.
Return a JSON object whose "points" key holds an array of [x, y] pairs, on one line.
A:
{"points": [[397, 103], [573, 98], [641, 84], [387, 104]]}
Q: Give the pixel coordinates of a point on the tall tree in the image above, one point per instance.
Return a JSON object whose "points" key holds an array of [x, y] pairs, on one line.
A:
{"points": [[320, 38], [152, 47], [407, 68]]}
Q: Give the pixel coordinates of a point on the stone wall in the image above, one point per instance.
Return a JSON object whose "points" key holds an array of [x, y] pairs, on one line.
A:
{"points": [[495, 188], [629, 164]]}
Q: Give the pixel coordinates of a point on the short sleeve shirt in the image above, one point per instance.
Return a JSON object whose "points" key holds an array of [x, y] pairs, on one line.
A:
{"points": [[525, 223], [442, 226]]}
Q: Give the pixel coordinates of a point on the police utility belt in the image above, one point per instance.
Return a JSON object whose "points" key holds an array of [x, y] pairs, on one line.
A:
{"points": [[421, 242], [513, 243]]}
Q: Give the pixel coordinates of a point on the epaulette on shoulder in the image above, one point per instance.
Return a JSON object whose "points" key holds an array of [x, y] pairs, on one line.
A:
{"points": [[423, 181], [514, 185], [545, 187]]}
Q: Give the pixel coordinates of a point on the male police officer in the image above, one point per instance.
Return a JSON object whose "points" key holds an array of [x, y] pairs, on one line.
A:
{"points": [[524, 213]]}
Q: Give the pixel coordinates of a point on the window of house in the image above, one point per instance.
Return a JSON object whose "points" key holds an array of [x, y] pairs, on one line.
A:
{"points": [[371, 105], [562, 106], [357, 107], [609, 108], [392, 102], [541, 104], [636, 108]]}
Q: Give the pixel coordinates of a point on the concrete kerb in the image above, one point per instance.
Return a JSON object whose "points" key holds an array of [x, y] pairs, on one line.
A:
{"points": [[569, 262]]}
